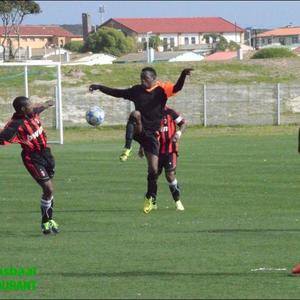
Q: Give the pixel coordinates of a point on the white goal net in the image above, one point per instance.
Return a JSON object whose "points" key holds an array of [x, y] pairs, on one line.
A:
{"points": [[40, 81]]}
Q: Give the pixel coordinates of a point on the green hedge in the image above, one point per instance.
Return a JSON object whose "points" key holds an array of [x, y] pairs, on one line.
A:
{"points": [[273, 53], [75, 46]]}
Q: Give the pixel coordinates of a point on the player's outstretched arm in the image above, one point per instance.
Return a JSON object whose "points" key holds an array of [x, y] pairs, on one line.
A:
{"points": [[118, 93], [39, 107], [180, 82]]}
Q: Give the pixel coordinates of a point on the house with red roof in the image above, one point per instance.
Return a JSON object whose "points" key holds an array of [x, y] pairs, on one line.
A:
{"points": [[40, 36], [279, 36], [177, 32]]}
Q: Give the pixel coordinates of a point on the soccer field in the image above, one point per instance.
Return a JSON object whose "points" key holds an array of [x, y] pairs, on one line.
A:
{"points": [[238, 237]]}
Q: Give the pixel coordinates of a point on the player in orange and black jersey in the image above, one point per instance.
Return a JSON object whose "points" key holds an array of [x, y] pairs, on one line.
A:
{"points": [[150, 98], [25, 129], [171, 129]]}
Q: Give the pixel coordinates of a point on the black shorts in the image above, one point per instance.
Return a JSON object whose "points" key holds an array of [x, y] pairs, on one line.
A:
{"points": [[168, 162], [40, 164], [149, 141]]}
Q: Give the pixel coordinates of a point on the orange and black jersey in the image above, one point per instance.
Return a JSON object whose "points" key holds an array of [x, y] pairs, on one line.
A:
{"points": [[150, 102], [168, 129], [26, 131]]}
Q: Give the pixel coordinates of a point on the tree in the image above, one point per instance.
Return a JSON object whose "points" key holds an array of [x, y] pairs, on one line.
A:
{"points": [[110, 41], [12, 14], [154, 42], [233, 46], [218, 40], [222, 43]]}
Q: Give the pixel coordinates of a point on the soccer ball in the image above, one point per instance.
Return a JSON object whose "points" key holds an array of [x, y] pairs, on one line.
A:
{"points": [[95, 116]]}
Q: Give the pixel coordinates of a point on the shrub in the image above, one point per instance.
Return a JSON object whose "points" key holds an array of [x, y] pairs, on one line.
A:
{"points": [[75, 46], [273, 53], [233, 46]]}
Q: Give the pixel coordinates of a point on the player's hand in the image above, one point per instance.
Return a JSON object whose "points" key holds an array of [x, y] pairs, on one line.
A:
{"points": [[187, 71], [176, 136], [94, 87], [141, 152], [49, 103]]}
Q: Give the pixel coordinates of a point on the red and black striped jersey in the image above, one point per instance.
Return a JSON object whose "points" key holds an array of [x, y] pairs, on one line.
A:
{"points": [[168, 129], [26, 131]]}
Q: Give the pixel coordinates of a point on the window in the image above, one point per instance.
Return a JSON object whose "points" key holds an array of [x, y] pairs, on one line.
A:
{"points": [[269, 40], [282, 41], [295, 40], [193, 40], [186, 40], [172, 42], [165, 43]]}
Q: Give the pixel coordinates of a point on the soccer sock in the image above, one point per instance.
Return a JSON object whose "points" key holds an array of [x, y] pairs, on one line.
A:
{"points": [[46, 209], [174, 189], [130, 126], [152, 185]]}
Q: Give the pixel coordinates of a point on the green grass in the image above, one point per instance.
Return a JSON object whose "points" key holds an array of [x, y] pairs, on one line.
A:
{"points": [[248, 71], [240, 188], [204, 72]]}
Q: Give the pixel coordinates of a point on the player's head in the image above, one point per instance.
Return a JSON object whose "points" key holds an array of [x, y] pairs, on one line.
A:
{"points": [[22, 104], [148, 77]]}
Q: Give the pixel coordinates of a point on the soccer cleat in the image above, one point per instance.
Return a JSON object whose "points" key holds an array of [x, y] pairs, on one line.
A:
{"points": [[154, 206], [125, 154], [46, 227], [148, 205], [54, 226], [296, 269], [179, 205]]}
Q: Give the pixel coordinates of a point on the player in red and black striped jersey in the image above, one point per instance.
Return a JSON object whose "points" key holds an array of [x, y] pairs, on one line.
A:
{"points": [[171, 128], [149, 98], [25, 128]]}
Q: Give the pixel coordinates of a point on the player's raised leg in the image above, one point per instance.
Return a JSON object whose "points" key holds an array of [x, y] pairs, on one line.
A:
{"points": [[133, 126]]}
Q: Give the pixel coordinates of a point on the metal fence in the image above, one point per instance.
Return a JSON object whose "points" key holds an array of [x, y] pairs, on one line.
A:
{"points": [[220, 104], [208, 105]]}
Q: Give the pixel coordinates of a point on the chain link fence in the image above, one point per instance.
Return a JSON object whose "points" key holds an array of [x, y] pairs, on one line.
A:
{"points": [[208, 105]]}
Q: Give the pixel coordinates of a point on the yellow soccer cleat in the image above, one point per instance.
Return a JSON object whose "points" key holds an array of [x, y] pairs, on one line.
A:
{"points": [[125, 154], [179, 205], [148, 205]]}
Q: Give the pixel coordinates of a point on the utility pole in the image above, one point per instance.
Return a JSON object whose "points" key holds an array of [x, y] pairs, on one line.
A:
{"points": [[101, 11], [148, 50], [235, 30]]}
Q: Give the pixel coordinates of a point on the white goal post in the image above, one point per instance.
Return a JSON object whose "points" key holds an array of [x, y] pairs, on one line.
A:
{"points": [[57, 93]]}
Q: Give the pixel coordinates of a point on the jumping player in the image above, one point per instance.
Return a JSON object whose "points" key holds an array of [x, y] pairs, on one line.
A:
{"points": [[172, 127], [25, 129], [149, 98]]}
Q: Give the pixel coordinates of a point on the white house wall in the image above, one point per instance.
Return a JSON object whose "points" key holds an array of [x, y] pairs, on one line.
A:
{"points": [[168, 36], [232, 36], [179, 38]]}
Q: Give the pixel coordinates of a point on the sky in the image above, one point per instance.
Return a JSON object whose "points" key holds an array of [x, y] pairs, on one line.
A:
{"points": [[256, 14]]}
